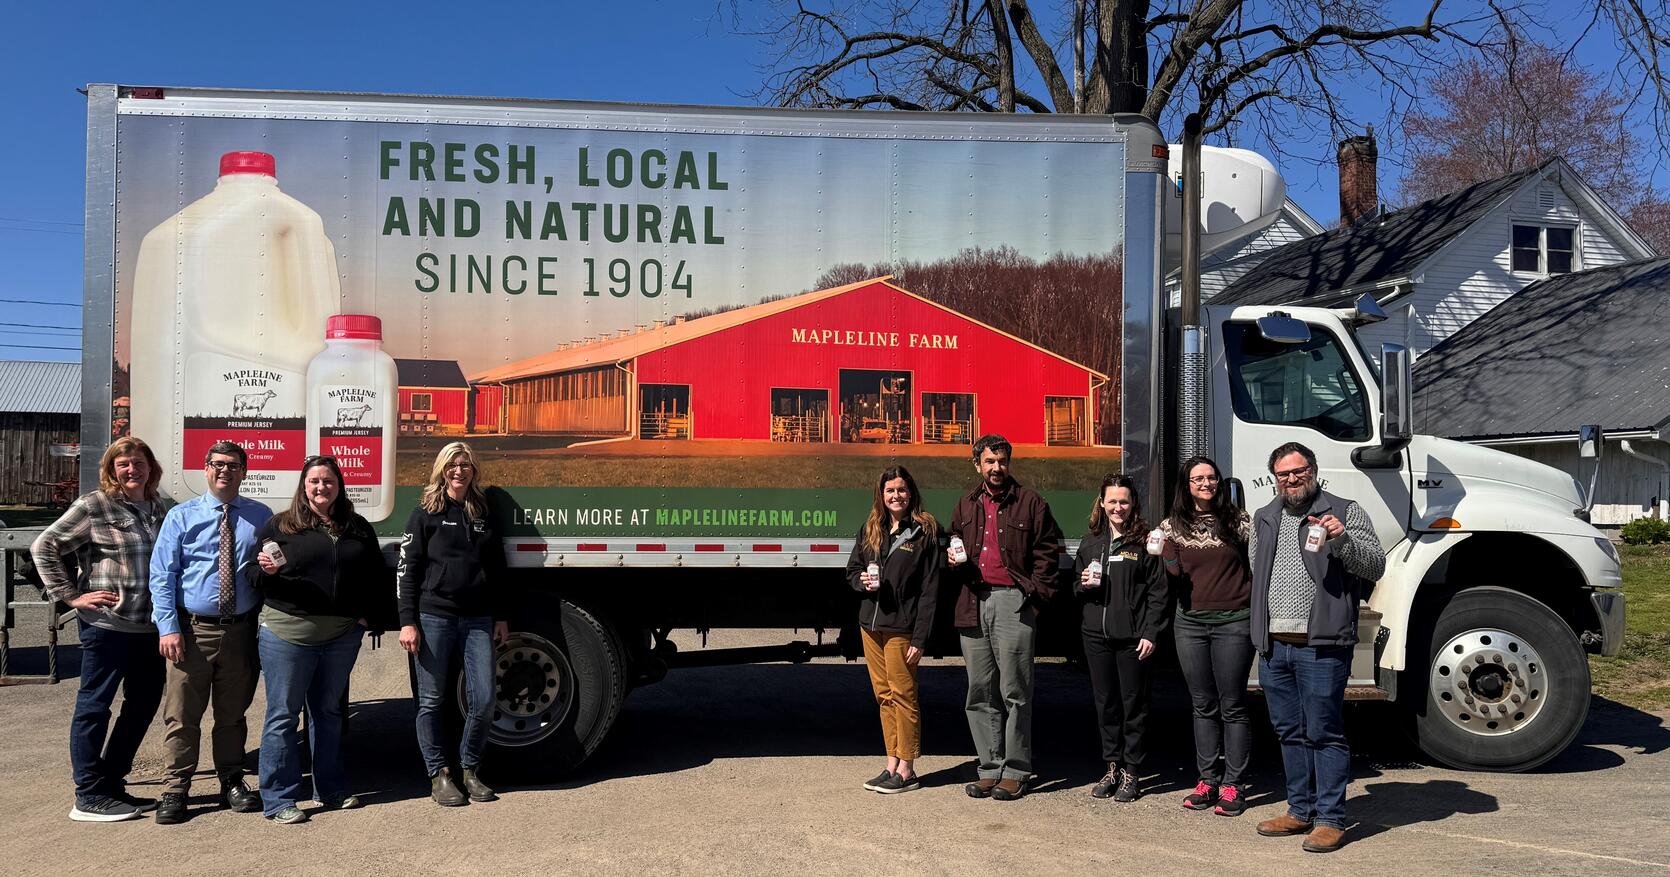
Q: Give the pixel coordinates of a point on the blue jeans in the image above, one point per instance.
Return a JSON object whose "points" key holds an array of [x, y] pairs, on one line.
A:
{"points": [[442, 641], [300, 676], [1305, 689], [112, 660]]}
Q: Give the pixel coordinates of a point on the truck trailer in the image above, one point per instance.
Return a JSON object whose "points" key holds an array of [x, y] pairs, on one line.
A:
{"points": [[684, 341]]}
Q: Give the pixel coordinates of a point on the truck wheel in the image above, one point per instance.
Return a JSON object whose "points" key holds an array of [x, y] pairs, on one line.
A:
{"points": [[559, 685], [1506, 684]]}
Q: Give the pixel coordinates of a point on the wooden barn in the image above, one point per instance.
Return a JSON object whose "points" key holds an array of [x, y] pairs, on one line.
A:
{"points": [[40, 428]]}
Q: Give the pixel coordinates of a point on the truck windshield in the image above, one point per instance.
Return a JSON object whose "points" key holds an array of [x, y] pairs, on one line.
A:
{"points": [[1310, 384]]}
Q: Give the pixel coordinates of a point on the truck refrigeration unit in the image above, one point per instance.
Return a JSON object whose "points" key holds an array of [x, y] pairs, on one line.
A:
{"points": [[685, 340]]}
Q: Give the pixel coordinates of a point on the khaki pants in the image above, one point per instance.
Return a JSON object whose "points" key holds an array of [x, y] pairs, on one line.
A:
{"points": [[218, 669], [894, 682]]}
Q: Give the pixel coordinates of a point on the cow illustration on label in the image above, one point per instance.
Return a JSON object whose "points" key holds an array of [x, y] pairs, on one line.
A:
{"points": [[251, 404], [352, 416]]}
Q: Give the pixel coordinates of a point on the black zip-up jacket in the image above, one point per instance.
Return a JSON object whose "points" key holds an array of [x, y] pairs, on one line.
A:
{"points": [[1132, 602], [910, 562], [346, 576], [451, 564]]}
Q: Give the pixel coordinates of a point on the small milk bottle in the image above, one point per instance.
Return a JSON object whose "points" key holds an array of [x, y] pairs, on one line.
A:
{"points": [[353, 395], [230, 296]]}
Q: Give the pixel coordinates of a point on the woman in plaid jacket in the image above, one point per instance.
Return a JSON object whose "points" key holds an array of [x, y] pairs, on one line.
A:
{"points": [[97, 559]]}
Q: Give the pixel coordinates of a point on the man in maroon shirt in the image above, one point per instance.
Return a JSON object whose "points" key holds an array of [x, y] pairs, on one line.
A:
{"points": [[1012, 544]]}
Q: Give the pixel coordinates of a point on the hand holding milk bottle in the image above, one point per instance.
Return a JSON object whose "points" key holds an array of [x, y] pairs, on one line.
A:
{"points": [[230, 298]]}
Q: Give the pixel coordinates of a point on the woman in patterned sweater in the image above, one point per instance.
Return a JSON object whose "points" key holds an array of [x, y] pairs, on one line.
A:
{"points": [[1206, 559]]}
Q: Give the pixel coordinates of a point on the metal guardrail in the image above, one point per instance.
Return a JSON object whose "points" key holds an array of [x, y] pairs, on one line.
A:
{"points": [[14, 553]]}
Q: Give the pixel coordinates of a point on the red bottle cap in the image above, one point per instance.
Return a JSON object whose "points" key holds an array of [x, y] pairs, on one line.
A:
{"points": [[247, 163], [354, 326]]}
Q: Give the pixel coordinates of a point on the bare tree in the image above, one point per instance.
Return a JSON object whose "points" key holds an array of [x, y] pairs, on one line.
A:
{"points": [[1229, 60], [1493, 116]]}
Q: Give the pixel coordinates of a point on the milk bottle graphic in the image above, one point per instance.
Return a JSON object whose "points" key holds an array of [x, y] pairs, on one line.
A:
{"points": [[229, 302], [353, 399]]}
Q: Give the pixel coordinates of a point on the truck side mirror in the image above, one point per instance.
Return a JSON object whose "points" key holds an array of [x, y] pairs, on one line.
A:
{"points": [[1396, 397], [1283, 329], [1237, 493], [1591, 440]]}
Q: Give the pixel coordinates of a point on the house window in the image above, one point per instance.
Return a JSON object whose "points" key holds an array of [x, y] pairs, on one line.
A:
{"points": [[423, 402], [1541, 249]]}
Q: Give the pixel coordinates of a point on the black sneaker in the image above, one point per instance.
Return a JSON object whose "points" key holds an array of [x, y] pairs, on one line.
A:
{"points": [[238, 797], [1230, 801], [143, 805], [894, 784], [876, 784], [171, 808], [1127, 790], [1203, 797], [102, 808], [1105, 786]]}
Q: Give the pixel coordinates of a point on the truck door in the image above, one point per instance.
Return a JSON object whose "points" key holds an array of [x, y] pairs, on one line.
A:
{"points": [[1318, 393]]}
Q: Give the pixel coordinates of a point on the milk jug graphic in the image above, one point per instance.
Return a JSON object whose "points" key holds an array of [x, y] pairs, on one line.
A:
{"points": [[230, 298], [353, 396]]}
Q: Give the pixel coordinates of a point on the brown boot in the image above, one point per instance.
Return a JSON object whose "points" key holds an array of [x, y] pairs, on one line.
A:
{"points": [[1283, 826], [1324, 839], [980, 788], [1009, 790], [446, 792]]}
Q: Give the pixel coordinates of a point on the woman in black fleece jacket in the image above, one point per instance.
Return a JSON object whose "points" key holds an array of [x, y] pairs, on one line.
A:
{"points": [[331, 587], [896, 615], [452, 611], [1123, 616]]}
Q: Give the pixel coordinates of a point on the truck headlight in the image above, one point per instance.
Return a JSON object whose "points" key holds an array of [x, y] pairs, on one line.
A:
{"points": [[1607, 548]]}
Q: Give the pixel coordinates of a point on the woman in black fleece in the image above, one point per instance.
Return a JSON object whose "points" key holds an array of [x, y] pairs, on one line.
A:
{"points": [[896, 615], [452, 613], [1124, 613], [331, 586]]}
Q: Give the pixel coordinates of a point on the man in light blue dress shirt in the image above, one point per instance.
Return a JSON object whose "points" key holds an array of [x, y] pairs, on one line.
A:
{"points": [[204, 606]]}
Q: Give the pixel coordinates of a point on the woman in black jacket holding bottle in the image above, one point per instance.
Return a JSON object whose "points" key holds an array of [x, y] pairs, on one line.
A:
{"points": [[1122, 592], [323, 583], [895, 570]]}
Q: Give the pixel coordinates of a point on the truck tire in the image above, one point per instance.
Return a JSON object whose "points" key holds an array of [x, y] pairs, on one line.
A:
{"points": [[559, 684], [1505, 686]]}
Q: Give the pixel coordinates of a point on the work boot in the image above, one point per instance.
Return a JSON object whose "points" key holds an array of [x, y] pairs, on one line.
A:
{"points": [[446, 792], [1324, 839], [171, 810], [1284, 825], [1109, 781], [476, 788], [238, 797], [1009, 790], [980, 788]]}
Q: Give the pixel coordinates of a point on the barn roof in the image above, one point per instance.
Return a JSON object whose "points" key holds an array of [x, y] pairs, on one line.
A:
{"points": [[431, 373], [1570, 350], [634, 344], [40, 387]]}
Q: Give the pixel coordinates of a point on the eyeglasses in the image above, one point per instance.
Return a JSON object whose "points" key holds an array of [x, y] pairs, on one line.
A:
{"points": [[1203, 479], [465, 467], [224, 466], [310, 462], [1298, 474]]}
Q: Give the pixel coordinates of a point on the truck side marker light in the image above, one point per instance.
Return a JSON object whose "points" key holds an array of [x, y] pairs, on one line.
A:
{"points": [[764, 547], [652, 546], [1444, 524], [591, 546], [531, 546], [824, 546], [705, 546]]}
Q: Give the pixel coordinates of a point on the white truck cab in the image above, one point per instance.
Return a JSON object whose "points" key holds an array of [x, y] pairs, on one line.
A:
{"points": [[1495, 583]]}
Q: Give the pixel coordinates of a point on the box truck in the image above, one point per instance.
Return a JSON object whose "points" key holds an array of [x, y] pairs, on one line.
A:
{"points": [[686, 340]]}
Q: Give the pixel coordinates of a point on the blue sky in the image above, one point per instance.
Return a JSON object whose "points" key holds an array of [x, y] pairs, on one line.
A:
{"points": [[627, 50]]}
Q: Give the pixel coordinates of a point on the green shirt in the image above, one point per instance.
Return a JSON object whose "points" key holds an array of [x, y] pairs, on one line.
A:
{"points": [[305, 630]]}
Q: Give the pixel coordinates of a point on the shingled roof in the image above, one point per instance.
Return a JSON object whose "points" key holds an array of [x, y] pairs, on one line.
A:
{"points": [[1575, 349], [1316, 269], [432, 373]]}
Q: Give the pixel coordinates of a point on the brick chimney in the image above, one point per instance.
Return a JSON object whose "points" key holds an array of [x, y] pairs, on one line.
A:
{"points": [[1359, 193]]}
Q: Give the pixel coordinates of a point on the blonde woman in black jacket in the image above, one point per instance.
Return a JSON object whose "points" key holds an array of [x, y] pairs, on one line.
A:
{"points": [[895, 570], [1124, 613]]}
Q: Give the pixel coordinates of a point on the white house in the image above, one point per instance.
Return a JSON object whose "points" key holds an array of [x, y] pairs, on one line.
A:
{"points": [[1576, 349], [1438, 265]]}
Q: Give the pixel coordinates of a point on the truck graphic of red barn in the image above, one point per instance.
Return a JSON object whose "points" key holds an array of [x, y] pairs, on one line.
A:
{"points": [[870, 362]]}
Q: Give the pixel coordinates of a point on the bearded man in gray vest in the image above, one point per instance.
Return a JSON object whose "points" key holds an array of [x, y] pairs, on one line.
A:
{"points": [[1314, 556]]}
